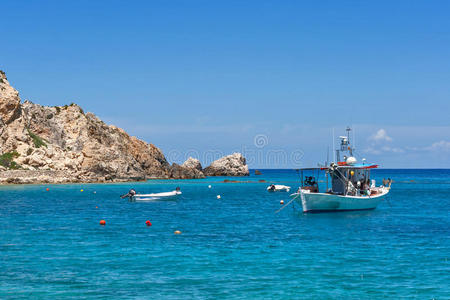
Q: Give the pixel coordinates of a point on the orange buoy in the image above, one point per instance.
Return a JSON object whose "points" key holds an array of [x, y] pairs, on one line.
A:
{"points": [[102, 222], [148, 223], [96, 207], [177, 232], [282, 202], [47, 189]]}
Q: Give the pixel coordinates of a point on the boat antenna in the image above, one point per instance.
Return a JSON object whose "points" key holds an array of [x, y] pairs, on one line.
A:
{"points": [[328, 156], [354, 143], [334, 154]]}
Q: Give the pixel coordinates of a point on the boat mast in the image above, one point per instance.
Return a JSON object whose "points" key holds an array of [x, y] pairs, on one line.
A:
{"points": [[349, 147]]}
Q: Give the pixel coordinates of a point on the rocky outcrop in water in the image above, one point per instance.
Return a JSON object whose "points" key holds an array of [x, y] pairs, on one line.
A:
{"points": [[192, 163], [182, 172], [231, 165], [42, 144]]}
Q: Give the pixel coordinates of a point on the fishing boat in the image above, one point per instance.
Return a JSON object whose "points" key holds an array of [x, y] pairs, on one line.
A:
{"points": [[351, 186]]}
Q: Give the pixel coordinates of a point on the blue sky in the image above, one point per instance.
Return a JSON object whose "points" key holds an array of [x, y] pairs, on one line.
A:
{"points": [[206, 78]]}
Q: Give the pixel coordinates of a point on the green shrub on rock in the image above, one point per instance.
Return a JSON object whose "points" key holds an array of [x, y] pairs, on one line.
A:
{"points": [[37, 141], [7, 160]]}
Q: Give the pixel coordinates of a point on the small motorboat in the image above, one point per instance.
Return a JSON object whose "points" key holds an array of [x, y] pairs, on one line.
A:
{"points": [[133, 196], [278, 188]]}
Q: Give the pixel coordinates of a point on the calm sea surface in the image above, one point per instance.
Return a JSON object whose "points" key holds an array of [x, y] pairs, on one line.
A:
{"points": [[52, 246]]}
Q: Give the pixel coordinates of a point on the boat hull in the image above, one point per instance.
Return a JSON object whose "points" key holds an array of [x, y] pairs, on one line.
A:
{"points": [[156, 196], [322, 202]]}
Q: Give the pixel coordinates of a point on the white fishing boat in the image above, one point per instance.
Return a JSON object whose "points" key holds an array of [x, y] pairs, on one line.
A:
{"points": [[278, 188], [351, 186]]}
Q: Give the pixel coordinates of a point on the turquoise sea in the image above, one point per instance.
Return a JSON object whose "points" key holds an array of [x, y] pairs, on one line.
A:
{"points": [[52, 246]]}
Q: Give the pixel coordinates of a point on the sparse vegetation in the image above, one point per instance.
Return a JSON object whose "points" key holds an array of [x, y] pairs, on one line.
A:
{"points": [[58, 109], [29, 151], [7, 160], [37, 141]]}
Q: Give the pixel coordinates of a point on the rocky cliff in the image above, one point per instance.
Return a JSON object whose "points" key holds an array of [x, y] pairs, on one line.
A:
{"points": [[64, 144], [64, 138]]}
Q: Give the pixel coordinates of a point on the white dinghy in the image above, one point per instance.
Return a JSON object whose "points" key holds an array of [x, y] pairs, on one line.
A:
{"points": [[133, 196], [278, 188], [156, 196]]}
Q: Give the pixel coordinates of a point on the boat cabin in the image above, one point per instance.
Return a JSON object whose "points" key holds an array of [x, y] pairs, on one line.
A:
{"points": [[351, 180]]}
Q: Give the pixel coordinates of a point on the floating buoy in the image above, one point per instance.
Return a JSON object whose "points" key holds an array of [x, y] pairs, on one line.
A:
{"points": [[148, 223], [47, 189], [209, 186], [282, 202], [218, 196], [102, 222], [95, 192], [177, 232], [81, 190], [96, 207]]}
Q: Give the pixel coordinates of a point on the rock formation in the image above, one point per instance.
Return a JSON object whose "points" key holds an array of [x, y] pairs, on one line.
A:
{"points": [[192, 163], [231, 165], [66, 140], [40, 144], [182, 172]]}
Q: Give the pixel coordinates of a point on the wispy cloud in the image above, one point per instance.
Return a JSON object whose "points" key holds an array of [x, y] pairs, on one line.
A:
{"points": [[384, 149], [442, 146]]}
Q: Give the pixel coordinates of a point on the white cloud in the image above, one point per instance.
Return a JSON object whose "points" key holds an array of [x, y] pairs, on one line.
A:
{"points": [[380, 136], [439, 146]]}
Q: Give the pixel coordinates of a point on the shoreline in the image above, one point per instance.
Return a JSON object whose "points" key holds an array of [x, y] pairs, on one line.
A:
{"points": [[42, 177]]}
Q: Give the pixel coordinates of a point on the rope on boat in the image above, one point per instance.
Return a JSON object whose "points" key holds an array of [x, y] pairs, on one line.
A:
{"points": [[288, 203]]}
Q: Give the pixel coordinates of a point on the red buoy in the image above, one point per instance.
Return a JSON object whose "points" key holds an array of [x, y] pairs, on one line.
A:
{"points": [[47, 189], [148, 223], [282, 202], [102, 222]]}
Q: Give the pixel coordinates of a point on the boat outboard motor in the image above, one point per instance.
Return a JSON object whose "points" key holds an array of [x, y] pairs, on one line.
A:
{"points": [[272, 187], [130, 194]]}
